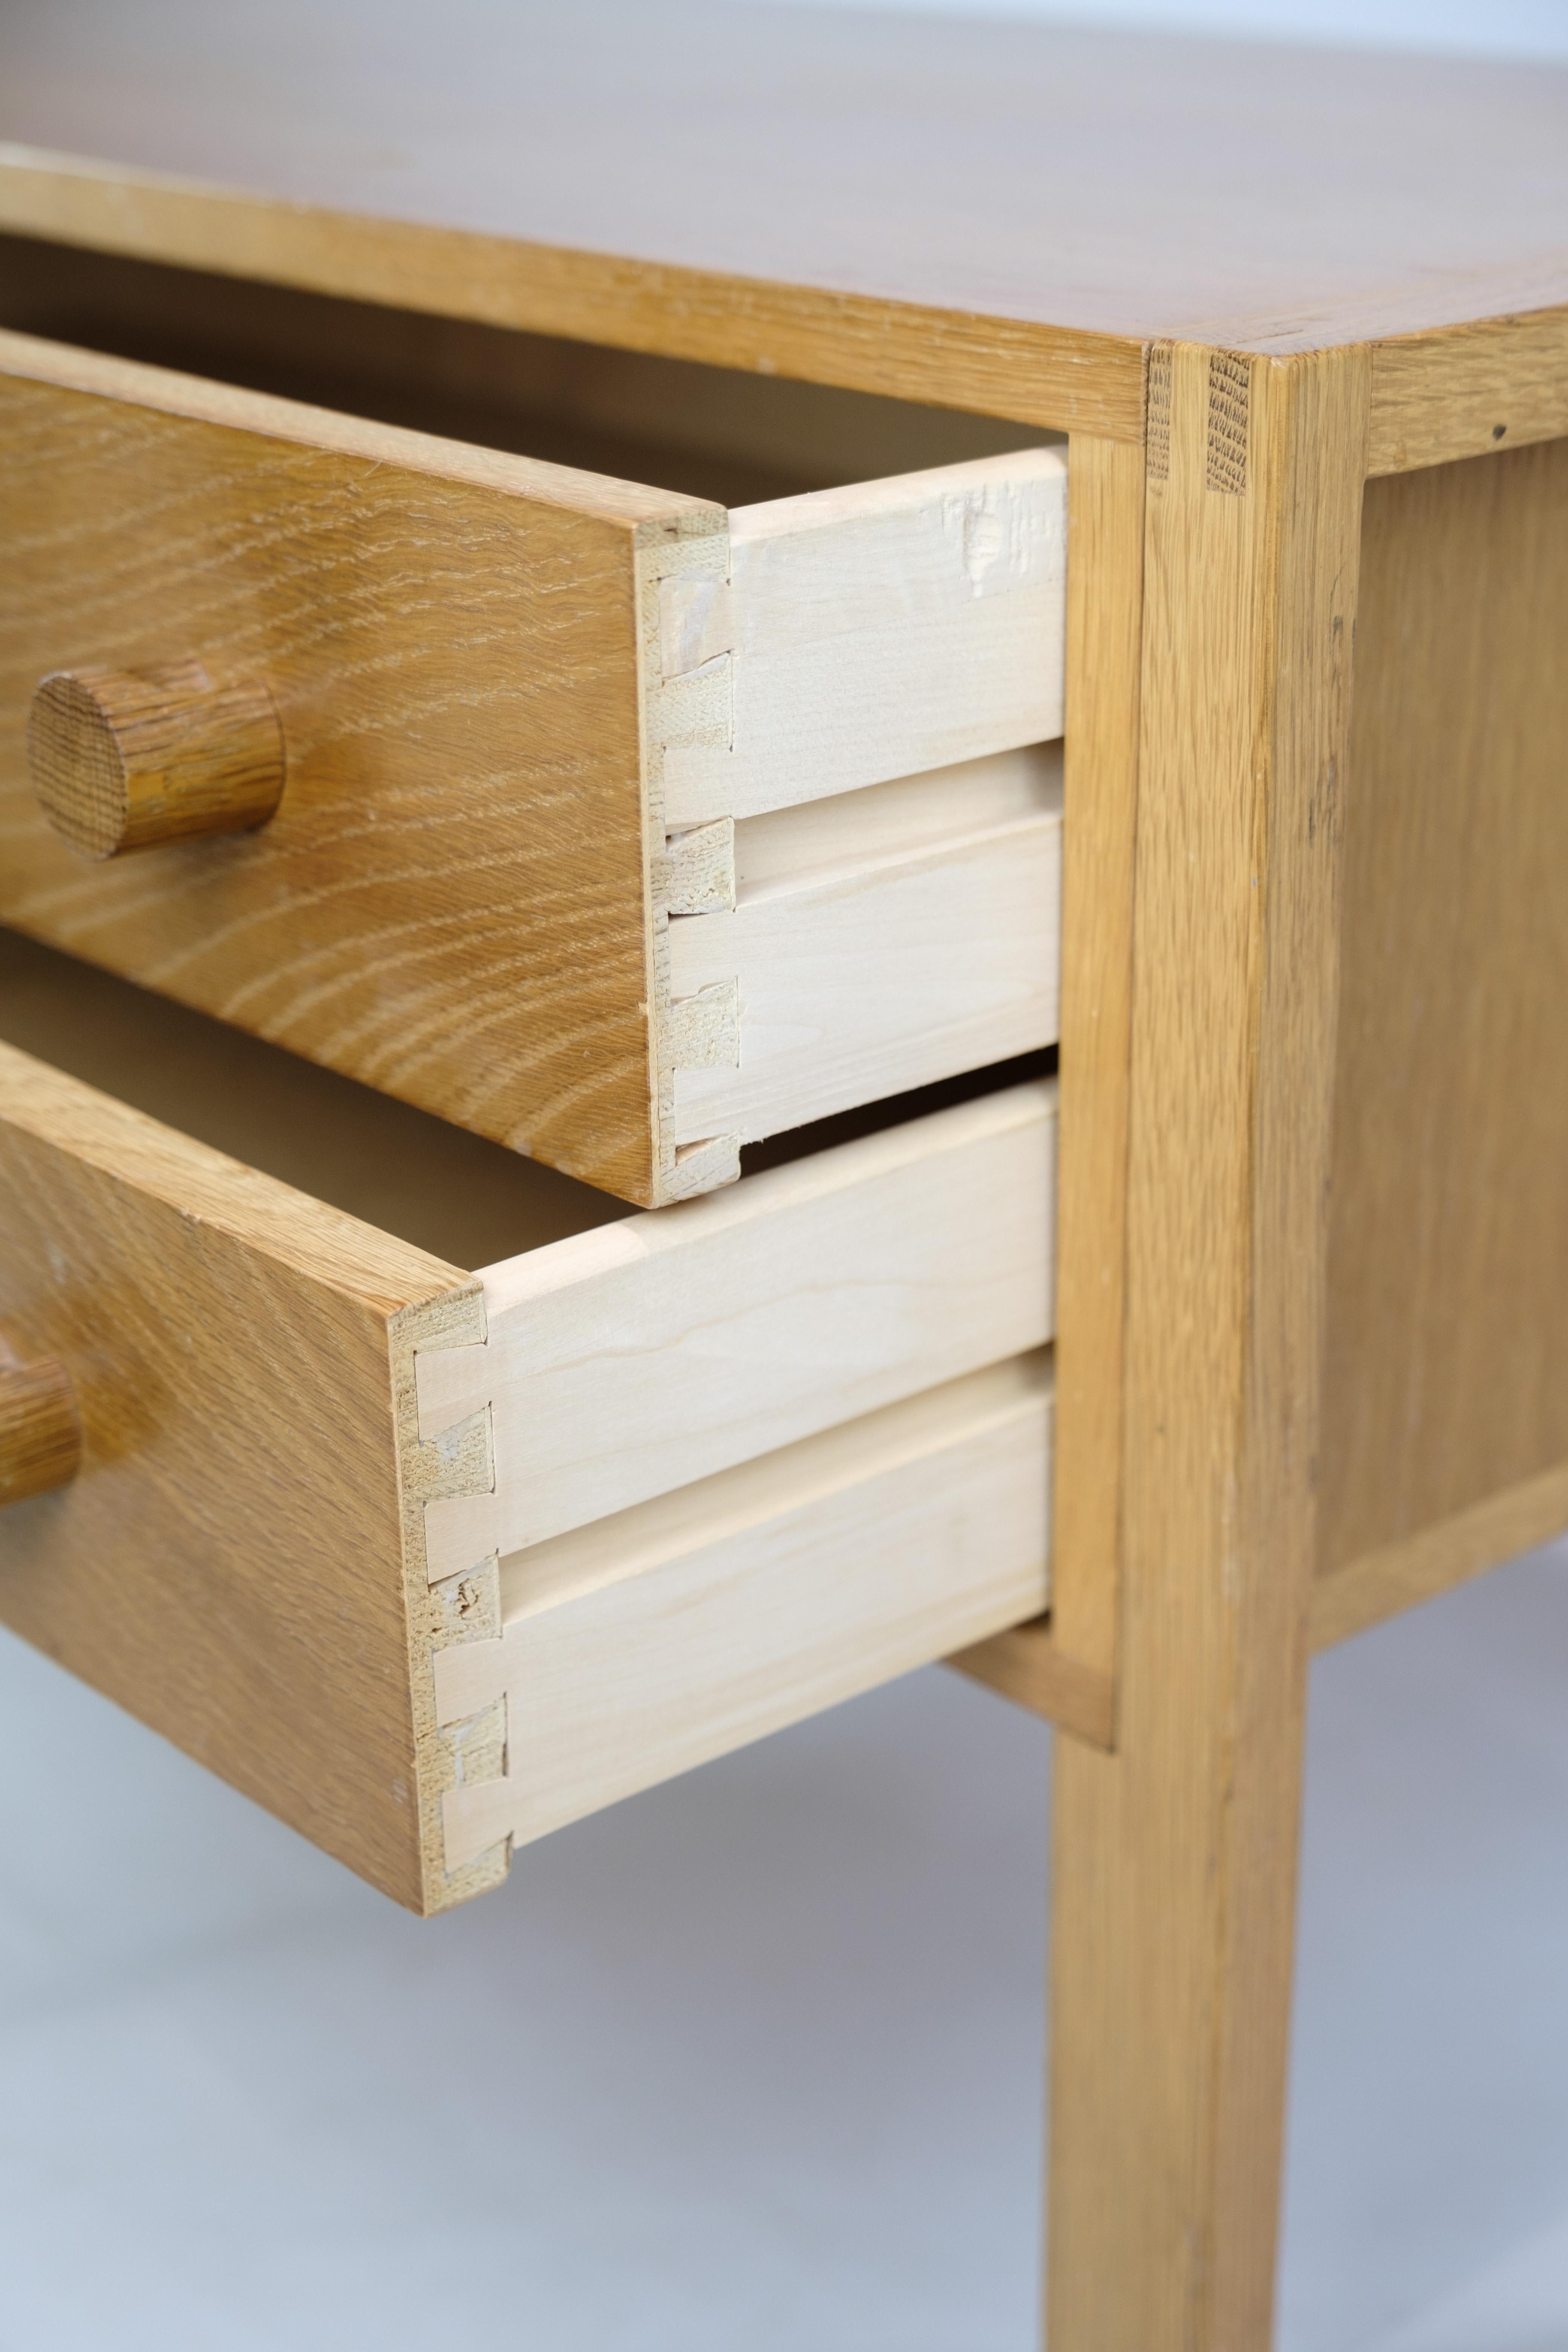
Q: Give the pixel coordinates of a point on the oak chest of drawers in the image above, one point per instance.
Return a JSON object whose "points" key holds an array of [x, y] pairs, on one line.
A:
{"points": [[647, 663]]}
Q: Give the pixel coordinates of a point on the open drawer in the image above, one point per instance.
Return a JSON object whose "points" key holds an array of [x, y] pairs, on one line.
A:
{"points": [[607, 823], [429, 1561]]}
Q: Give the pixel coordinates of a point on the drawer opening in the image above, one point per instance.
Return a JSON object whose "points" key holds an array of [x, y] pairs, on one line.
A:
{"points": [[436, 1186], [625, 1355], [717, 432]]}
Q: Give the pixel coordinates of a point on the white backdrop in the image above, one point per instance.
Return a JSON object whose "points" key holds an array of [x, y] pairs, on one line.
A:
{"points": [[752, 2063], [1527, 28]]}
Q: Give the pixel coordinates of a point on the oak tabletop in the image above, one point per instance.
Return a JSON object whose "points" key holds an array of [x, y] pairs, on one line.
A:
{"points": [[1087, 191]]}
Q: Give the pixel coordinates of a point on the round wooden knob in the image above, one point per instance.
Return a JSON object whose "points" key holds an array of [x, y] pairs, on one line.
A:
{"points": [[124, 760], [40, 1435]]}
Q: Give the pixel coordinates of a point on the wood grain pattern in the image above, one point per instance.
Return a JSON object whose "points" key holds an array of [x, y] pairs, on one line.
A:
{"points": [[577, 172], [1174, 1858], [845, 636], [649, 1354], [1447, 1301], [230, 1563], [646, 1643], [716, 432], [1380, 1584], [123, 761], [1064, 1667], [873, 631], [1027, 1665], [475, 841], [40, 1429], [857, 981], [1105, 599], [1471, 390], [422, 613], [266, 1557], [905, 349]]}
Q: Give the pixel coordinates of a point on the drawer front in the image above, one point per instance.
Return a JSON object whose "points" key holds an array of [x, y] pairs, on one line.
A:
{"points": [[526, 722], [451, 901], [700, 1472]]}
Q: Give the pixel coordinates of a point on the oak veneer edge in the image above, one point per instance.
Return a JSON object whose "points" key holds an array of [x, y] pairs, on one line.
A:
{"points": [[207, 401], [1060, 378], [1382, 1584], [1030, 1667], [375, 1268], [1468, 391], [1106, 490]]}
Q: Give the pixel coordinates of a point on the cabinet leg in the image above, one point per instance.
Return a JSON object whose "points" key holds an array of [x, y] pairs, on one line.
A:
{"points": [[1174, 1896], [1172, 1906]]}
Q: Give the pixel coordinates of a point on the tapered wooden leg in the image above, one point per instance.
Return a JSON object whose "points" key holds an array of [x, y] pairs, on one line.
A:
{"points": [[1175, 1855]]}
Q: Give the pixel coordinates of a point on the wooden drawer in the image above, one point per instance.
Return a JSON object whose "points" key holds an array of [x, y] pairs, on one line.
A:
{"points": [[669, 1480], [615, 826]]}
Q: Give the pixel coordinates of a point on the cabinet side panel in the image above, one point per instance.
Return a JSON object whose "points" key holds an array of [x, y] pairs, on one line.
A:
{"points": [[1447, 1367]]}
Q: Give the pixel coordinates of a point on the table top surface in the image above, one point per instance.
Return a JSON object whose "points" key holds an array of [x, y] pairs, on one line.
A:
{"points": [[1257, 197]]}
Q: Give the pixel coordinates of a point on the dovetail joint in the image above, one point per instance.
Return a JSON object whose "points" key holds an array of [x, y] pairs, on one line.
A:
{"points": [[689, 640], [1229, 409], [1157, 423]]}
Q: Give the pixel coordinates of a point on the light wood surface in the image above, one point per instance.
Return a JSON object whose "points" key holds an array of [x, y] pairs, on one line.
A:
{"points": [[718, 433], [1173, 1869], [868, 975], [136, 759], [422, 612], [1104, 653], [1002, 216], [1027, 1665], [448, 1192], [1447, 1339], [651, 1354], [281, 1623], [1064, 1667], [460, 853], [229, 1563], [848, 635], [648, 1642], [40, 1429], [1474, 391], [873, 630], [1380, 1584]]}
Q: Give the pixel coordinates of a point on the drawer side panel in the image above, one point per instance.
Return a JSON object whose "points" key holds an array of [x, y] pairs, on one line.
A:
{"points": [[681, 1631]]}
